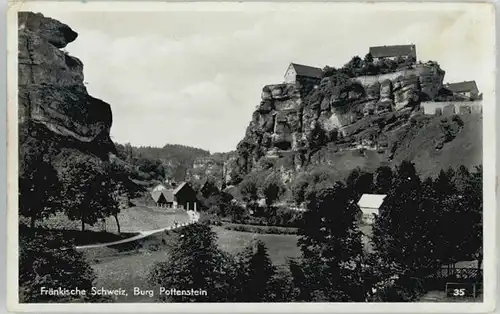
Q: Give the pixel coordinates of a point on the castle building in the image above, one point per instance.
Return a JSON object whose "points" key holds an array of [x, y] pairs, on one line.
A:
{"points": [[393, 52], [467, 89], [298, 73]]}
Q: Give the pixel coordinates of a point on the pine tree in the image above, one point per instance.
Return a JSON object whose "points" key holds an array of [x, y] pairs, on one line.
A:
{"points": [[195, 262], [383, 180], [255, 274]]}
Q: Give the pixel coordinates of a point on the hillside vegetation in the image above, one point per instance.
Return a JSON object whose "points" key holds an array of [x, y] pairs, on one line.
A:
{"points": [[431, 142]]}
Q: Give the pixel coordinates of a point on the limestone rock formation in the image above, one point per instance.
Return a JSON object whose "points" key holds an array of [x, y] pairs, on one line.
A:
{"points": [[51, 87], [292, 122], [216, 167]]}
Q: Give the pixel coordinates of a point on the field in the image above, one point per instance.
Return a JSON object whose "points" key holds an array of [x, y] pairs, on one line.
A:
{"points": [[129, 269], [280, 247], [132, 220]]}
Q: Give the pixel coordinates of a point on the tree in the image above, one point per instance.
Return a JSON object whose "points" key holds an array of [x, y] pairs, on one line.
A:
{"points": [[306, 181], [331, 247], [298, 187], [369, 67], [83, 178], [249, 189], [359, 182], [47, 260], [273, 189], [219, 203], [443, 184], [407, 230], [468, 218], [328, 71], [354, 66], [209, 188], [255, 274], [236, 212], [39, 186], [383, 180], [195, 262], [461, 178], [368, 58], [114, 195]]}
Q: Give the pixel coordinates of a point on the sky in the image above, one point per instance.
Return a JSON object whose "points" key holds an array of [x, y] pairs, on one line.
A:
{"points": [[195, 77]]}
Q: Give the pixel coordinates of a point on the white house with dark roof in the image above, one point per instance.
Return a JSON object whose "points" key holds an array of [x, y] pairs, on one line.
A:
{"points": [[393, 52], [297, 72], [369, 205]]}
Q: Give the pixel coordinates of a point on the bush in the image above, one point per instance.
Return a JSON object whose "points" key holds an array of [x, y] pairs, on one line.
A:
{"points": [[261, 230], [458, 120], [47, 260], [210, 219]]}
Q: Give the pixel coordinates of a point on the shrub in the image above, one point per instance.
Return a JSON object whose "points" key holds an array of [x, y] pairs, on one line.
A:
{"points": [[262, 230], [458, 120], [47, 260], [210, 219]]}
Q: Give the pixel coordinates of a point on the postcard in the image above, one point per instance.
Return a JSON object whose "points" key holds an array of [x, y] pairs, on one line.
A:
{"points": [[251, 157]]}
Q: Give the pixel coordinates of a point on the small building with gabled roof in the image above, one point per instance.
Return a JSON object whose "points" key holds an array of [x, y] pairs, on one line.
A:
{"points": [[393, 52], [466, 88], [369, 205], [178, 196], [298, 72]]}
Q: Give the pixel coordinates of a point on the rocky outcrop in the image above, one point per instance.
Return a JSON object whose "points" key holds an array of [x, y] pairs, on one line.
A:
{"points": [[295, 123], [52, 93], [217, 167]]}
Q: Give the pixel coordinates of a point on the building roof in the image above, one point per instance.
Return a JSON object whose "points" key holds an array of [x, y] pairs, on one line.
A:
{"points": [[169, 194], [305, 70], [393, 51], [178, 188], [159, 187], [155, 195], [460, 87], [371, 201]]}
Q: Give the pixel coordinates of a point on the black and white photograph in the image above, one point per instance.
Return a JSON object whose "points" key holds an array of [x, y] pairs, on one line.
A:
{"points": [[251, 155]]}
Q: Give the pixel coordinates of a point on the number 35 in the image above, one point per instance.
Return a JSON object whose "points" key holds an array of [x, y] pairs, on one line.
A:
{"points": [[458, 292]]}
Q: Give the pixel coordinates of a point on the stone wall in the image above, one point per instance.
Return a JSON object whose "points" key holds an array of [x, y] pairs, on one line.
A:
{"points": [[430, 78], [451, 107]]}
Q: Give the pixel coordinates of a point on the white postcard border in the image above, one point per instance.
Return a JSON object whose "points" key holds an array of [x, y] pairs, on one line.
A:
{"points": [[489, 164]]}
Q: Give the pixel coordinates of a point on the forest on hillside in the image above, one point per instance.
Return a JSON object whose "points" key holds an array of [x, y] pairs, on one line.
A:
{"points": [[171, 161]]}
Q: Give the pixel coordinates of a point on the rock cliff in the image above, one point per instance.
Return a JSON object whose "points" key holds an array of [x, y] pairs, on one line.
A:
{"points": [[292, 128], [216, 167], [52, 94]]}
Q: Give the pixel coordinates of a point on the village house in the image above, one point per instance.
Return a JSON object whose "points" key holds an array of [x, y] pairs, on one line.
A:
{"points": [[467, 89], [369, 205], [393, 52], [177, 196], [300, 73]]}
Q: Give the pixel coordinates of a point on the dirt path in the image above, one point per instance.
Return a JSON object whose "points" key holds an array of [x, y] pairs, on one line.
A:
{"points": [[193, 217]]}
